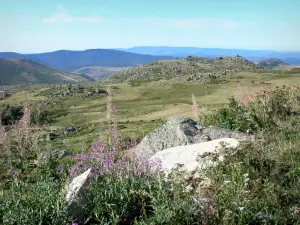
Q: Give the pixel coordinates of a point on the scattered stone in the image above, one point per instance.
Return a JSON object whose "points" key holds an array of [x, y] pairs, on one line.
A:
{"points": [[44, 157], [58, 154], [66, 93], [69, 130]]}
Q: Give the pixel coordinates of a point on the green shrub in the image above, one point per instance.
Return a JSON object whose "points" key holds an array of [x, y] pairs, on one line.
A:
{"points": [[264, 111], [41, 203], [139, 200], [41, 117], [259, 183], [10, 114]]}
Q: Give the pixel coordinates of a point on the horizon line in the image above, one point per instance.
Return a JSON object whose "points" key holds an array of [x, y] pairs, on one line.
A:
{"points": [[158, 46]]}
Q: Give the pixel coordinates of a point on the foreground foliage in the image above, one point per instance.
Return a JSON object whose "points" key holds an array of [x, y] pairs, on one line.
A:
{"points": [[258, 183]]}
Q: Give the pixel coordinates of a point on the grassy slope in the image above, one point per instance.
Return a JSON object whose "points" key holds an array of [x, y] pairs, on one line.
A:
{"points": [[20, 71], [142, 107]]}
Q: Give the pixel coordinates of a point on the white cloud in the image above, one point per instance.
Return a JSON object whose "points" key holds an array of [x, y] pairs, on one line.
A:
{"points": [[66, 18], [197, 23], [60, 7]]}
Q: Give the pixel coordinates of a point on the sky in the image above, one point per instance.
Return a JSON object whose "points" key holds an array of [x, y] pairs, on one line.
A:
{"points": [[34, 26]]}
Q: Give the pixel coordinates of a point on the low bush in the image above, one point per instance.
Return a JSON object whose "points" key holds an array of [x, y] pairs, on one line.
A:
{"points": [[10, 114], [262, 110], [40, 203]]}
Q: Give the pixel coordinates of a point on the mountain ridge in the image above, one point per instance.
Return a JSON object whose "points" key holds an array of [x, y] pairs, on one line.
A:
{"points": [[70, 60], [289, 57], [23, 71]]}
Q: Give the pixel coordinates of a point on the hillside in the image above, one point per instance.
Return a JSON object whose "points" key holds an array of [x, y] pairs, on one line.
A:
{"points": [[271, 64], [69, 132], [74, 60], [21, 71], [182, 67]]}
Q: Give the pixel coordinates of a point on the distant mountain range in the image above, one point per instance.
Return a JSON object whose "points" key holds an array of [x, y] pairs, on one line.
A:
{"points": [[74, 60], [292, 58], [102, 63], [24, 71]]}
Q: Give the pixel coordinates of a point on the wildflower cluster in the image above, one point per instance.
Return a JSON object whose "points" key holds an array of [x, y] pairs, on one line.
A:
{"points": [[104, 161]]}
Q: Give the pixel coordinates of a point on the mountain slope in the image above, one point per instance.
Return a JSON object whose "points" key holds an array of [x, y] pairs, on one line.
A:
{"points": [[21, 71], [187, 66], [74, 60]]}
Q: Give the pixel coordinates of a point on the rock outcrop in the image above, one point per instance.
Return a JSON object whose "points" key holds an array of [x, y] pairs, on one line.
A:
{"points": [[180, 131]]}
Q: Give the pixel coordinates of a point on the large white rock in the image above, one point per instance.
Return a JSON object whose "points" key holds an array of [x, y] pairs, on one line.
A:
{"points": [[76, 186], [76, 194], [187, 157]]}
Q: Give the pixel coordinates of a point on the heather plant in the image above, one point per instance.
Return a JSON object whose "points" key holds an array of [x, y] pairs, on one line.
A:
{"points": [[104, 161]]}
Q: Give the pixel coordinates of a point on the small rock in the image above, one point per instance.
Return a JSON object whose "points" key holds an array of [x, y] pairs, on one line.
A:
{"points": [[58, 154], [69, 129]]}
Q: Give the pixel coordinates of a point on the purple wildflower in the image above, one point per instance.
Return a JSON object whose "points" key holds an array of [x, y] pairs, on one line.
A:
{"points": [[15, 174]]}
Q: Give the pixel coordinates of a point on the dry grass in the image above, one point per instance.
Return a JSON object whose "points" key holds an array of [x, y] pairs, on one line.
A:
{"points": [[195, 108]]}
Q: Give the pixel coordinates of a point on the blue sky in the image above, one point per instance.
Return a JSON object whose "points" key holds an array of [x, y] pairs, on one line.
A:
{"points": [[49, 25]]}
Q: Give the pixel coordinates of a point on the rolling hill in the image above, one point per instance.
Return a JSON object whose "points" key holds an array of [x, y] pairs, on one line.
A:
{"points": [[21, 71], [74, 60], [272, 64], [182, 67]]}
